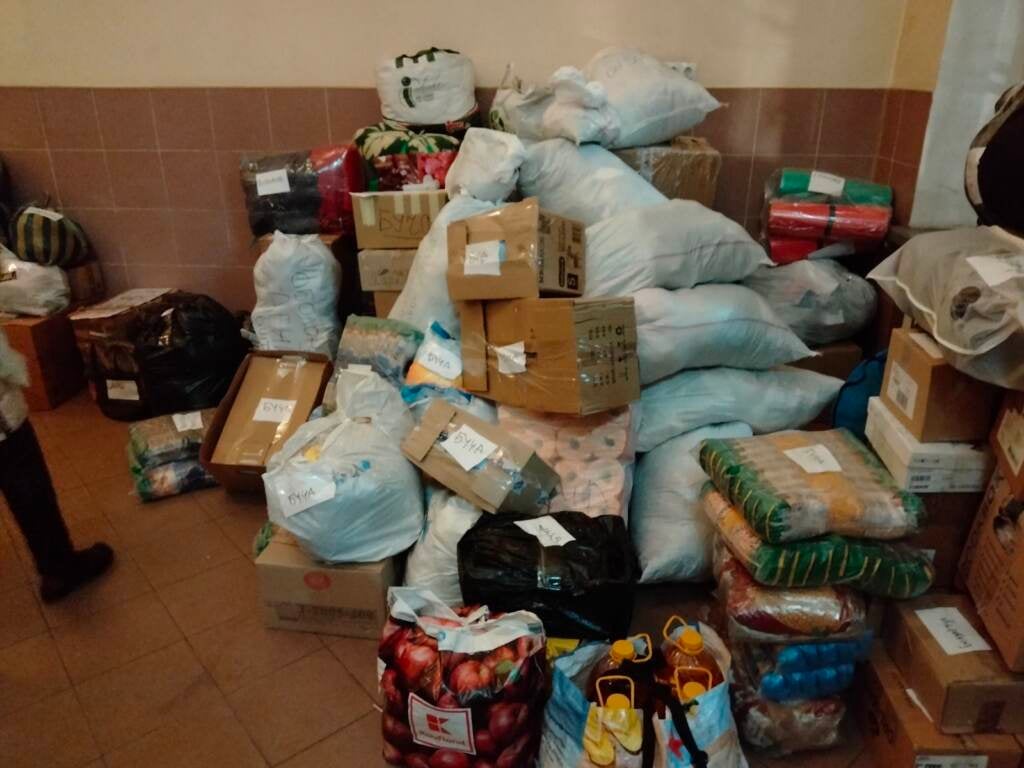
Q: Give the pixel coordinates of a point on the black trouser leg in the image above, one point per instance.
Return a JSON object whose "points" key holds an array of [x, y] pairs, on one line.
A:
{"points": [[25, 484]]}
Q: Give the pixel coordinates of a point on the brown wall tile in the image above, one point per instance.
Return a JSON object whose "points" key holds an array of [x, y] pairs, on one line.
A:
{"points": [[349, 109], [31, 175], [201, 237], [182, 118], [156, 275], [856, 167], [22, 125], [484, 99], [126, 118], [102, 228], [788, 121], [240, 118], [235, 287], [882, 170], [115, 278], [731, 127], [147, 236], [137, 179], [903, 180], [82, 179], [912, 126], [69, 118], [240, 239], [851, 122], [891, 108], [733, 183], [232, 194], [298, 118], [192, 179]]}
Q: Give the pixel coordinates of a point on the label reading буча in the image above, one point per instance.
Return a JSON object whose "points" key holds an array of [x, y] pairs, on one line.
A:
{"points": [[511, 358], [439, 360], [272, 182], [468, 447], [952, 631], [814, 459], [826, 184], [295, 494], [186, 422], [484, 258], [273, 409], [121, 389], [902, 389]]}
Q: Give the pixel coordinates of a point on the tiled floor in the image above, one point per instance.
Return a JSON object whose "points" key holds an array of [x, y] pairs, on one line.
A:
{"points": [[165, 662]]}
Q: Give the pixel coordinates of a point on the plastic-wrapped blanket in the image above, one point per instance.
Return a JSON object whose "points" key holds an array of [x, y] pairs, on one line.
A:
{"points": [[797, 485], [168, 438], [707, 326], [170, 479], [387, 346], [400, 155], [433, 563]]}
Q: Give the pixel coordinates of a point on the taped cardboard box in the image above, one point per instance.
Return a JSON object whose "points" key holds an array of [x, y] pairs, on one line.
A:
{"points": [[301, 594], [270, 397], [938, 644], [51, 357], [898, 733], [926, 467], [948, 521], [395, 219], [574, 356], [1008, 441], [932, 399], [992, 568], [383, 301], [515, 252], [86, 283], [385, 269], [686, 169], [481, 462]]}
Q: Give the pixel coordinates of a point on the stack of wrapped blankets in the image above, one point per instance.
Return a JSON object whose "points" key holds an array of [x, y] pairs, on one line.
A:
{"points": [[163, 454]]}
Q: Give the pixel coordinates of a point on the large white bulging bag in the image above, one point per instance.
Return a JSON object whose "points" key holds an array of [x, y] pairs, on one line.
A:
{"points": [[519, 108], [430, 87], [586, 183], [676, 244], [769, 401], [487, 165], [707, 326], [580, 110], [434, 562], [654, 101], [341, 485], [31, 289], [670, 531], [297, 282], [965, 287]]}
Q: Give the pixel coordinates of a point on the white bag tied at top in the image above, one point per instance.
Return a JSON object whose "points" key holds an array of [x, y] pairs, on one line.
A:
{"points": [[580, 110], [518, 107], [429, 87], [433, 564], [487, 166]]}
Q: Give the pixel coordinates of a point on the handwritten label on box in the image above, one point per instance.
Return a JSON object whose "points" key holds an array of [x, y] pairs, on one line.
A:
{"points": [[468, 447], [273, 409]]}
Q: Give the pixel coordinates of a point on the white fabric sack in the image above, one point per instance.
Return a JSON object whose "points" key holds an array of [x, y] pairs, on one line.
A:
{"points": [[965, 287], [425, 298], [426, 88], [519, 108], [487, 166], [580, 110], [654, 101], [434, 562], [31, 289], [341, 485], [769, 401], [707, 326], [297, 282], [820, 299], [676, 244], [670, 531], [586, 183]]}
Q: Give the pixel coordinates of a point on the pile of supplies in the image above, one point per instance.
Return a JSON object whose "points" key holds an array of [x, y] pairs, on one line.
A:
{"points": [[163, 454]]}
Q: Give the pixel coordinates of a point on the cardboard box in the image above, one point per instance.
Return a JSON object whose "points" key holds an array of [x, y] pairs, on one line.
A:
{"points": [[992, 568], [51, 357], [934, 401], [573, 356], [86, 283], [948, 524], [899, 734], [384, 270], [515, 252], [270, 397], [301, 594], [395, 219], [1007, 441], [488, 484], [938, 645], [837, 360], [383, 301], [686, 169], [926, 467]]}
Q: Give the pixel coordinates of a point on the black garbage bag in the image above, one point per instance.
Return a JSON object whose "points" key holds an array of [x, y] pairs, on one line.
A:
{"points": [[582, 589]]}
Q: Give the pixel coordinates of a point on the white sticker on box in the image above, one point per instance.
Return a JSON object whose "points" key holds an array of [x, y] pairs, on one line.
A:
{"points": [[468, 447], [484, 258], [952, 631], [995, 270], [360, 368], [273, 409], [118, 389], [814, 459], [1010, 437], [296, 493], [548, 531], [439, 360], [51, 215], [186, 422], [902, 389], [951, 761], [826, 184], [927, 343], [511, 358], [272, 182], [449, 729]]}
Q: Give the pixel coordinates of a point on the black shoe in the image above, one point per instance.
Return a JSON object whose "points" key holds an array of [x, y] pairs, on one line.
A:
{"points": [[84, 566]]}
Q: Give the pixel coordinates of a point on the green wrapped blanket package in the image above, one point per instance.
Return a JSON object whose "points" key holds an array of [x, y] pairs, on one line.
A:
{"points": [[170, 479], [168, 438], [797, 485], [803, 183], [875, 567]]}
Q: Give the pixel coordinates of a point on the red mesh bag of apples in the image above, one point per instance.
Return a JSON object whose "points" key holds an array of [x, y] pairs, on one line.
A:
{"points": [[461, 688]]}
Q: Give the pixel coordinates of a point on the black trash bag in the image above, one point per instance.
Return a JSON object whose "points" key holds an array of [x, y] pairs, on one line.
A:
{"points": [[583, 589]]}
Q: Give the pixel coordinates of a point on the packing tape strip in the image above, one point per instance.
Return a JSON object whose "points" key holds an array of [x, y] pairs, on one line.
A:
{"points": [[367, 211], [399, 204], [414, 204]]}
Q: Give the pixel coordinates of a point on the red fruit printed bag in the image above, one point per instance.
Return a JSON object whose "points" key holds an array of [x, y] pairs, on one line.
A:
{"points": [[460, 688]]}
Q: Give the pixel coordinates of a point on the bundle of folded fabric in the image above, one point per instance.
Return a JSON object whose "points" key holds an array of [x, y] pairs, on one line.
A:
{"points": [[163, 454]]}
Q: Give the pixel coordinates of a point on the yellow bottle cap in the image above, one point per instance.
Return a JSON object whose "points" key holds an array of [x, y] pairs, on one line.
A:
{"points": [[622, 650], [617, 701], [692, 690], [691, 641]]}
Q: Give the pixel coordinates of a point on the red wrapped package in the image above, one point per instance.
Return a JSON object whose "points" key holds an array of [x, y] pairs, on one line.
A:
{"points": [[460, 689], [786, 250], [815, 221]]}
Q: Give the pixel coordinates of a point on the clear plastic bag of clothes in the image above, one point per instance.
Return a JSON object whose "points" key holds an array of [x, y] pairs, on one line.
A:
{"points": [[387, 346], [433, 562], [399, 154], [784, 728], [805, 184], [168, 438], [797, 485], [170, 479], [803, 670]]}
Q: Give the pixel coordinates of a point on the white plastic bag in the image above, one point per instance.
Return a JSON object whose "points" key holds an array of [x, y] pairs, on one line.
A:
{"points": [[670, 531], [580, 110], [519, 108], [430, 87], [820, 299], [434, 562], [586, 183], [419, 396], [341, 485], [31, 289], [297, 283], [487, 166], [425, 295], [654, 101], [965, 287], [769, 401], [709, 325], [676, 244]]}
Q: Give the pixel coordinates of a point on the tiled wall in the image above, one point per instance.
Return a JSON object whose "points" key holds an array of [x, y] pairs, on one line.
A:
{"points": [[153, 173]]}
